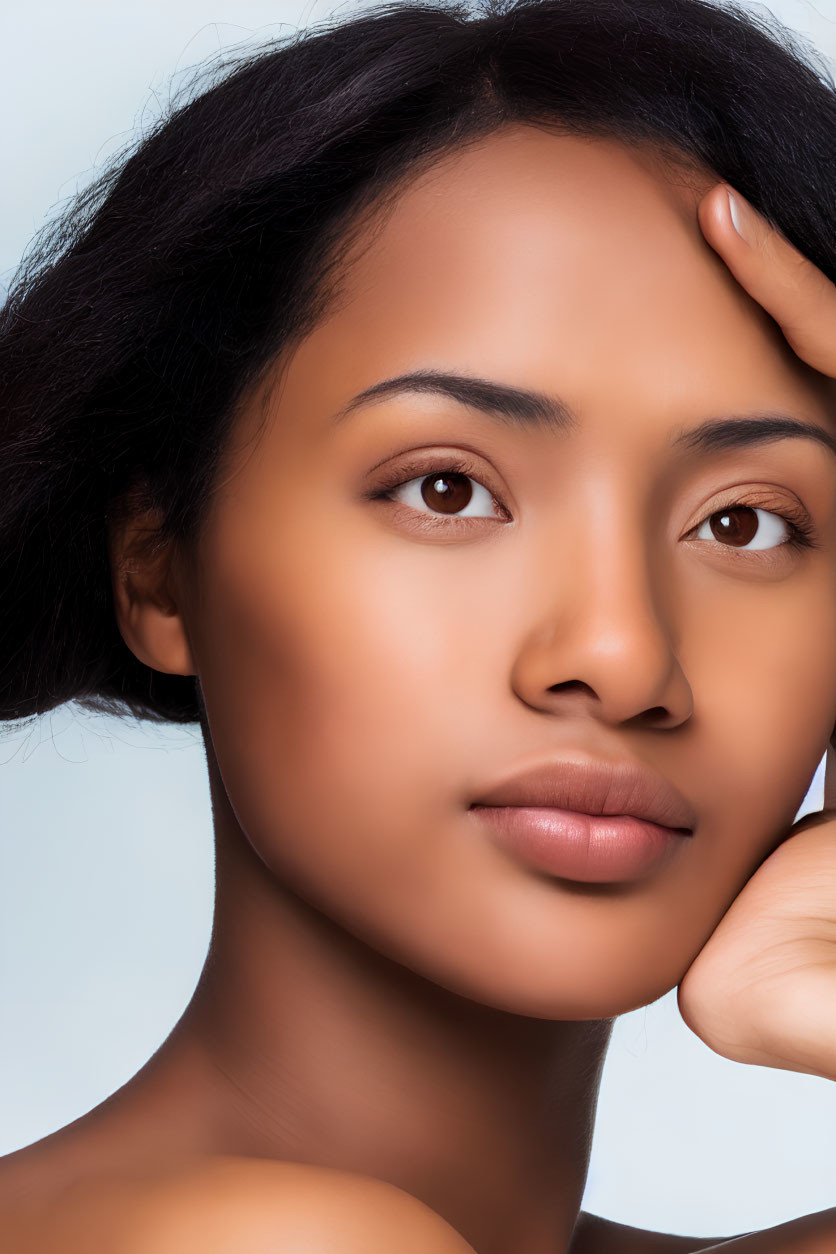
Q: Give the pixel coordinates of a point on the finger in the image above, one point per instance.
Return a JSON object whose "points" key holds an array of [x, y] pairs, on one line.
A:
{"points": [[799, 296]]}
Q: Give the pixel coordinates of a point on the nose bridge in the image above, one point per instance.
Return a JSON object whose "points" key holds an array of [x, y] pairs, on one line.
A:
{"points": [[609, 623], [621, 576]]}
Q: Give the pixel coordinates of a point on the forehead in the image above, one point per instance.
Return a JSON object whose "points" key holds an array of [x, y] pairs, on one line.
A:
{"points": [[527, 233], [529, 246], [524, 207], [571, 265]]}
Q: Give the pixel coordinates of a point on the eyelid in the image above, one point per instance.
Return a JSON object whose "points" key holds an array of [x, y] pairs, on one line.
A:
{"points": [[422, 465], [803, 532]]}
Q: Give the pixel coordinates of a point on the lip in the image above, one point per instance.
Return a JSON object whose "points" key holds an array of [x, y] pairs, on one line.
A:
{"points": [[588, 819]]}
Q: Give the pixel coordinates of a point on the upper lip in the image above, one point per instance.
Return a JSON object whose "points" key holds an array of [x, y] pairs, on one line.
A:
{"points": [[595, 786]]}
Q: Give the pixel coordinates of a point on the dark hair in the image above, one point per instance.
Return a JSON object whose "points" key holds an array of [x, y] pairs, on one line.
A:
{"points": [[142, 316]]}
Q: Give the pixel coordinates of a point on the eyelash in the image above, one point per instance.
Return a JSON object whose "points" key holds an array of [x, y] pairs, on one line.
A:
{"points": [[802, 532]]}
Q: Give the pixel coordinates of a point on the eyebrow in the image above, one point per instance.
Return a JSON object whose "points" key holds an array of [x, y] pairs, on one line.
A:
{"points": [[531, 410], [518, 407]]}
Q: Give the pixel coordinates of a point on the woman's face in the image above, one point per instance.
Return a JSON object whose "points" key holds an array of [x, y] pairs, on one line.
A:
{"points": [[372, 666]]}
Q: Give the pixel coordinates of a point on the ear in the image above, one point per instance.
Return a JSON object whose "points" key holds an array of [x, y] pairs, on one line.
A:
{"points": [[147, 599]]}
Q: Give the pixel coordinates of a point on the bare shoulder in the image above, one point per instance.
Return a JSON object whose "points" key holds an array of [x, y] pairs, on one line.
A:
{"points": [[253, 1206], [810, 1234], [231, 1205]]}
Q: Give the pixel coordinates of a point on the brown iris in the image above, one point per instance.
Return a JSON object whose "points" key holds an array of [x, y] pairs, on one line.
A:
{"points": [[448, 492], [736, 526]]}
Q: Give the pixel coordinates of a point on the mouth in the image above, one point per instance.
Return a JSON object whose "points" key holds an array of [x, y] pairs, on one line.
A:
{"points": [[590, 848], [589, 819]]}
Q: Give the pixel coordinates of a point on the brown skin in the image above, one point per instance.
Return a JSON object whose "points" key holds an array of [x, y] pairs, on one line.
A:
{"points": [[387, 993]]}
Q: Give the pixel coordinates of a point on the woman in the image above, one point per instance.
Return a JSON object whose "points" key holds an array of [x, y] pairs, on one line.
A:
{"points": [[411, 410]]}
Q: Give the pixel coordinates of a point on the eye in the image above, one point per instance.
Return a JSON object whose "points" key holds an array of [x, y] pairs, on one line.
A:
{"points": [[446, 491], [751, 528]]}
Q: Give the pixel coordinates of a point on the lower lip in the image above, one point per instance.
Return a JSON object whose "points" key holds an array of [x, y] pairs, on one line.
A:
{"points": [[591, 848]]}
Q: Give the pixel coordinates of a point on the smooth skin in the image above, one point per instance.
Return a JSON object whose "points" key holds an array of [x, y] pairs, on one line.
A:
{"points": [[388, 996]]}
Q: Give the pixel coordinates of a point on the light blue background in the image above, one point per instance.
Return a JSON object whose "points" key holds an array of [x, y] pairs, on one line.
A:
{"points": [[105, 825]]}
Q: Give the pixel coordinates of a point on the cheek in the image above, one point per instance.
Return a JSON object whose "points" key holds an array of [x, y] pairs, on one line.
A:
{"points": [[330, 682], [763, 672]]}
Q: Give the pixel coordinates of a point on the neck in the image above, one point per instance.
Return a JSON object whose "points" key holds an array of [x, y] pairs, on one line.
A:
{"points": [[312, 1047]]}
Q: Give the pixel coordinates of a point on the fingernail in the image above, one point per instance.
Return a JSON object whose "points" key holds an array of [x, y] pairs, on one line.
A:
{"points": [[739, 215]]}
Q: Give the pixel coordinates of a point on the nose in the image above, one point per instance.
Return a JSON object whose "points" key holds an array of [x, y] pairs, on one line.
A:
{"points": [[604, 641]]}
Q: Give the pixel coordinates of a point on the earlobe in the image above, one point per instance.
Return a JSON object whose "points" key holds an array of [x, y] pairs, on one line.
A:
{"points": [[148, 611], [156, 635]]}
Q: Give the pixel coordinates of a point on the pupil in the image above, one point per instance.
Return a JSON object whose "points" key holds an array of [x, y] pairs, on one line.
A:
{"points": [[447, 493], [733, 529]]}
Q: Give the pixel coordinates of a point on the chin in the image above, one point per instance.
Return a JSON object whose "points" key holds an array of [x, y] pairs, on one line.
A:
{"points": [[565, 980], [593, 999]]}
